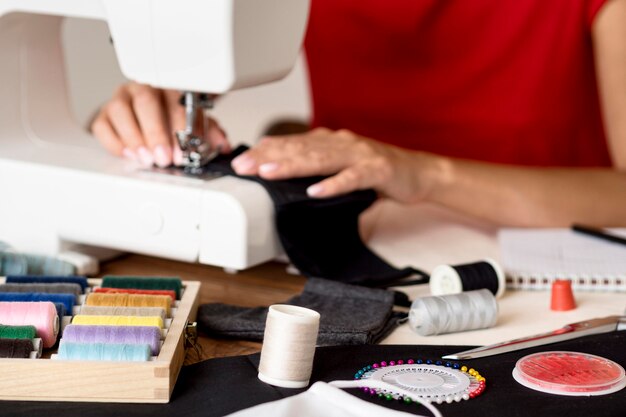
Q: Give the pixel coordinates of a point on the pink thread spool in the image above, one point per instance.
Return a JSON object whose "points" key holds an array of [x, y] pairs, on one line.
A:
{"points": [[42, 315]]}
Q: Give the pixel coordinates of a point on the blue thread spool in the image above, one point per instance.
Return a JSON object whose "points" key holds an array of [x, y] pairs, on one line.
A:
{"points": [[68, 300], [103, 352], [61, 311]]}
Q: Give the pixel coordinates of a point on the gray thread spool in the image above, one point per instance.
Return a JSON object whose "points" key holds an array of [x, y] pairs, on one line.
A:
{"points": [[453, 313], [52, 288], [288, 346]]}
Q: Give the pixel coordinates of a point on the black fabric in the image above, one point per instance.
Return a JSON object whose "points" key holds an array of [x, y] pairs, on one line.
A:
{"points": [[321, 236], [221, 386], [350, 314]]}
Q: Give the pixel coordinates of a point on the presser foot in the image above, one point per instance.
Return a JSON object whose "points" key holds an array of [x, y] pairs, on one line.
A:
{"points": [[196, 151]]}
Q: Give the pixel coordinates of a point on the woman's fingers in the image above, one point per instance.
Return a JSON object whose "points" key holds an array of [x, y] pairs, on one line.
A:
{"points": [[176, 121], [216, 136], [103, 130], [119, 112], [319, 152], [150, 113], [350, 162]]}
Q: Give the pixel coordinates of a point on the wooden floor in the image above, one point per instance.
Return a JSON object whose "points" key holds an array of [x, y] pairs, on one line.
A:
{"points": [[259, 286]]}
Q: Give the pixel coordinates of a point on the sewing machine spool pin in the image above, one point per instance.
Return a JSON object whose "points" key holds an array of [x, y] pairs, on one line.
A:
{"points": [[196, 150]]}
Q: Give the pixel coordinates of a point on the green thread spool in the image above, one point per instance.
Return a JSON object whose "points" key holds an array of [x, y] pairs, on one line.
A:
{"points": [[143, 283], [17, 332]]}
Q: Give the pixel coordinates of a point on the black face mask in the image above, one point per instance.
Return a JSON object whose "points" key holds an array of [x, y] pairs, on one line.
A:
{"points": [[321, 236]]}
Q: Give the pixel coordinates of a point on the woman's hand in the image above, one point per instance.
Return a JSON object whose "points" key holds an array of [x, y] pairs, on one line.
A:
{"points": [[139, 122], [353, 162]]}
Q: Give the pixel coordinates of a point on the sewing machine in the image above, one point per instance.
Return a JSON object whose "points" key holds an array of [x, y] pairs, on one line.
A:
{"points": [[60, 188]]}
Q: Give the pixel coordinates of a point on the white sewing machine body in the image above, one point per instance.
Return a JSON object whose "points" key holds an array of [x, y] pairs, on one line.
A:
{"points": [[59, 187]]}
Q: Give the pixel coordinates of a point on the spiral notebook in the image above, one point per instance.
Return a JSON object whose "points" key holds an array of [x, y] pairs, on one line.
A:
{"points": [[533, 258]]}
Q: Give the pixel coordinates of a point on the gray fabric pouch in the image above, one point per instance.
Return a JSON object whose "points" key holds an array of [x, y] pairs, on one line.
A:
{"points": [[350, 314]]}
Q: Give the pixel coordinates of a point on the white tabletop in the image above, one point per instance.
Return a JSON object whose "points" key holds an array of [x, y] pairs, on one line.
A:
{"points": [[425, 236]]}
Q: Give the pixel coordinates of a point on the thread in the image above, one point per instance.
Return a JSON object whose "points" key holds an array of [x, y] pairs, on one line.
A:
{"points": [[169, 293], [453, 313], [17, 332], [129, 300], [117, 321], [42, 315], [16, 348], [128, 335], [61, 311], [143, 283], [52, 288], [123, 311], [103, 352], [453, 279], [288, 346], [68, 300], [47, 279], [14, 263]]}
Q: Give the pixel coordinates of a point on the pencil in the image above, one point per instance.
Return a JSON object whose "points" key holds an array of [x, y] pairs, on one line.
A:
{"points": [[598, 233]]}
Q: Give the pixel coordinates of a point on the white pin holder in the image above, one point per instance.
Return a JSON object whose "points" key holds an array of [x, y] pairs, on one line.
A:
{"points": [[289, 346]]}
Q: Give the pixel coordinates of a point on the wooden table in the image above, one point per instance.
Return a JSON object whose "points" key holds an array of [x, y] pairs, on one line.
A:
{"points": [[259, 286]]}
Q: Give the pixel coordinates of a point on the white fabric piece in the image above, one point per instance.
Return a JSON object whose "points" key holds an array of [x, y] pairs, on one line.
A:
{"points": [[321, 400]]}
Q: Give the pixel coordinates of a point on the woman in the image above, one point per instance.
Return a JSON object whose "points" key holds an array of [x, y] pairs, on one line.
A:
{"points": [[510, 111]]}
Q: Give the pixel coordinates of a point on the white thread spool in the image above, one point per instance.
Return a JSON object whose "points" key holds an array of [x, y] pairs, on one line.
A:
{"points": [[289, 346], [453, 313]]}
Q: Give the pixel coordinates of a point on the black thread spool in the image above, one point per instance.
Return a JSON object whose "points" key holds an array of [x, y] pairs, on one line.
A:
{"points": [[16, 348], [453, 279]]}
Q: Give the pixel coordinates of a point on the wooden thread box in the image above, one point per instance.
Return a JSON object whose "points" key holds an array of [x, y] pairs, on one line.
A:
{"points": [[105, 381]]}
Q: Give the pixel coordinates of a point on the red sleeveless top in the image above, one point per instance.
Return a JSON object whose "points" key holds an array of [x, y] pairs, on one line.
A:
{"points": [[508, 81]]}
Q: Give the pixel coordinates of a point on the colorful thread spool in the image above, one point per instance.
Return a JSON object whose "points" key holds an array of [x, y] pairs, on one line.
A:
{"points": [[143, 283], [454, 279], [123, 311], [103, 352], [129, 300], [42, 315], [453, 313], [47, 279], [14, 263], [169, 293], [288, 346], [68, 300], [128, 335], [16, 348], [17, 332], [54, 288], [117, 321], [61, 311]]}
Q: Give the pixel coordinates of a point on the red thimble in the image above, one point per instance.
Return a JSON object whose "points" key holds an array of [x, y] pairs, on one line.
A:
{"points": [[562, 296]]}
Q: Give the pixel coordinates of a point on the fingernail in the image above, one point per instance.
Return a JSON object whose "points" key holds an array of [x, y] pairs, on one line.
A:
{"points": [[315, 190], [145, 157], [267, 168], [178, 155], [162, 156], [243, 162], [129, 154]]}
